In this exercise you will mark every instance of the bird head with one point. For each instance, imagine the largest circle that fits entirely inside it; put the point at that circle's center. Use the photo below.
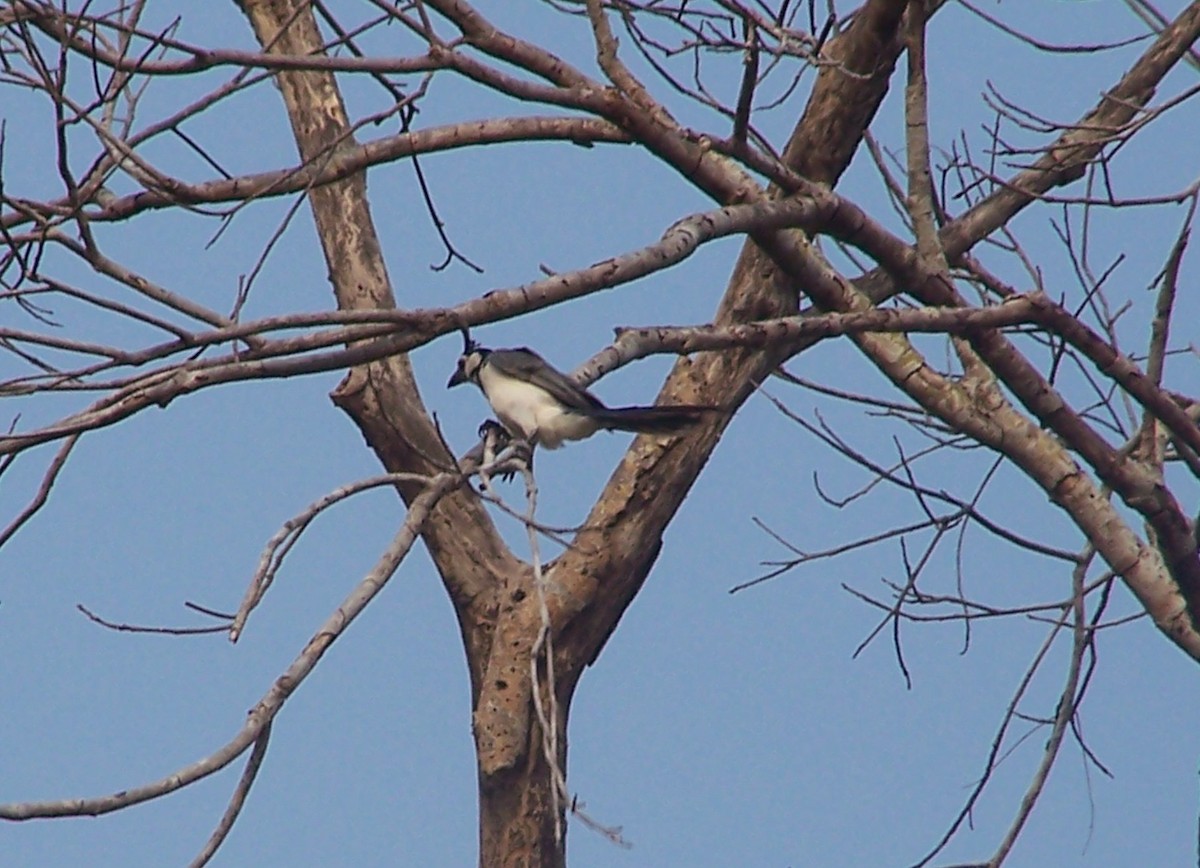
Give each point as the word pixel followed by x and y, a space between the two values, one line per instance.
pixel 469 362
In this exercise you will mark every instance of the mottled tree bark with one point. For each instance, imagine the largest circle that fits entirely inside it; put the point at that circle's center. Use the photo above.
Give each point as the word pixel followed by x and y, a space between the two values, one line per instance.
pixel 497 597
pixel 493 592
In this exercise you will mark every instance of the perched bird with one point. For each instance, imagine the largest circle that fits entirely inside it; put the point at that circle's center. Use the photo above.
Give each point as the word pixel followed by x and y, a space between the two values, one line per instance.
pixel 541 405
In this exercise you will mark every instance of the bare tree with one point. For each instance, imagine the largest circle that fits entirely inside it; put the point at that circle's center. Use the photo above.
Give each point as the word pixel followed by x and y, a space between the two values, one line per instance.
pixel 1034 377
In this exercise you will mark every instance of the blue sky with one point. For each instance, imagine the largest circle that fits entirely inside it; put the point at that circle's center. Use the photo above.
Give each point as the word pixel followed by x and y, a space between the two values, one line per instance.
pixel 716 729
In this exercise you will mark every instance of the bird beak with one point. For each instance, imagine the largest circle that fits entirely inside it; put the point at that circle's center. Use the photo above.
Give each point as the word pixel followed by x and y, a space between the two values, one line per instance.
pixel 458 379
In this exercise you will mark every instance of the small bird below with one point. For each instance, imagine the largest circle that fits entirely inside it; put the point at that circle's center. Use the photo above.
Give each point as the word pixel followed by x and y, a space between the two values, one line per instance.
pixel 539 404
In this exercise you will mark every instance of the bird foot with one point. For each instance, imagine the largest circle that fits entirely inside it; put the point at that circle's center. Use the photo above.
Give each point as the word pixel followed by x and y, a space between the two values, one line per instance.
pixel 513 454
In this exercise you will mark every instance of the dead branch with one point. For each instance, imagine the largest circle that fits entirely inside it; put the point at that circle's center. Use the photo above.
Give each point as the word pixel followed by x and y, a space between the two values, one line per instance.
pixel 266 709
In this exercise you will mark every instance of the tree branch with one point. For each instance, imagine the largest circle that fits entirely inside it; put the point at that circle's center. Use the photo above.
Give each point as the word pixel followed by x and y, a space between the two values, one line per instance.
pixel 285 685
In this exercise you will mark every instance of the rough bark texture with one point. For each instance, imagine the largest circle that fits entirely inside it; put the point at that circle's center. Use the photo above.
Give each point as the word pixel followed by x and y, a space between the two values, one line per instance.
pixel 648 487
pixel 381 397
pixel 590 586
pixel 480 574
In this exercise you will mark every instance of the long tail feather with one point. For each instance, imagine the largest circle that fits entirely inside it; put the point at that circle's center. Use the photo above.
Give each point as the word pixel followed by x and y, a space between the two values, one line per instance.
pixel 651 420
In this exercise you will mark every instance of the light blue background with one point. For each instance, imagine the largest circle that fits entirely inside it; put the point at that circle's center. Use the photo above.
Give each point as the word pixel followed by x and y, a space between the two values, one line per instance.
pixel 716 729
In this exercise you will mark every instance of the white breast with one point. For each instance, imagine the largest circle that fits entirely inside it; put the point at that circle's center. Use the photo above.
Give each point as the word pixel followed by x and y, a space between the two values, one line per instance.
pixel 524 408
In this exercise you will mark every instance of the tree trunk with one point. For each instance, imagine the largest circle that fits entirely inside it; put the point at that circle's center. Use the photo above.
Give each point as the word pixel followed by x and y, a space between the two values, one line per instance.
pixel 520 826
pixel 496 600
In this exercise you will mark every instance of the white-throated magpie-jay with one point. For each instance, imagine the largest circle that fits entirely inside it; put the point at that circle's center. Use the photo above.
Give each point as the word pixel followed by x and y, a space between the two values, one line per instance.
pixel 540 405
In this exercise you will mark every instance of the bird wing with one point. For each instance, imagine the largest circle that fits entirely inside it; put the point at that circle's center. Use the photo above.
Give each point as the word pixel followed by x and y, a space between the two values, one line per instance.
pixel 524 364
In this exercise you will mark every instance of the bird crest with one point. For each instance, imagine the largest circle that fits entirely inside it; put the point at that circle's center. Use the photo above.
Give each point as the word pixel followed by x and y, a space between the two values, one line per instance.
pixel 469 362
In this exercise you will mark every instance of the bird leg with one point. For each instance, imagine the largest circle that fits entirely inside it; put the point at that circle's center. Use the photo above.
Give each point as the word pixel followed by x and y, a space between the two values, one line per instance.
pixel 501 446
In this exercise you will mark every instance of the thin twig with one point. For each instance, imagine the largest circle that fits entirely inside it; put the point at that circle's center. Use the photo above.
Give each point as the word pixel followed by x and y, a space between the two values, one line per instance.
pixel 236 801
